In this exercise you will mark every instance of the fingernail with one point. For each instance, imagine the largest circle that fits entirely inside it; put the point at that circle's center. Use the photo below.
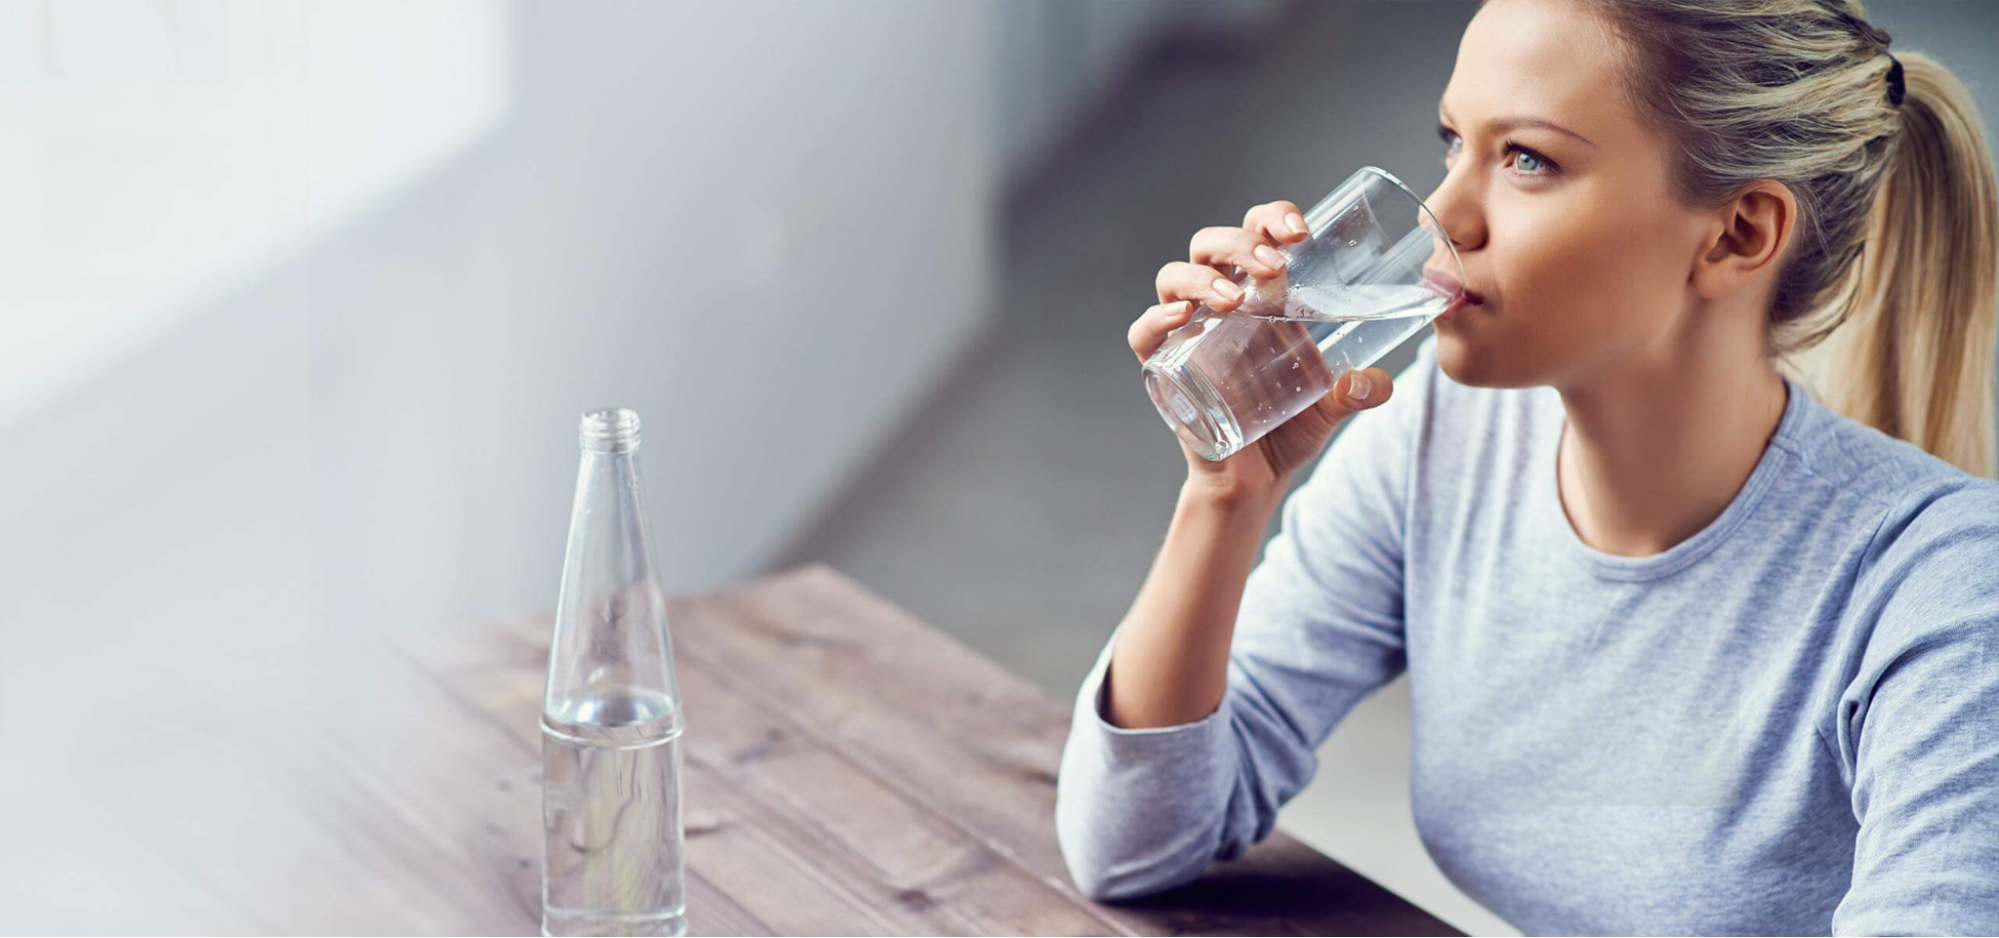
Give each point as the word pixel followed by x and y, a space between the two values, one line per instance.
pixel 1296 222
pixel 1227 288
pixel 1269 256
pixel 1177 310
pixel 1357 387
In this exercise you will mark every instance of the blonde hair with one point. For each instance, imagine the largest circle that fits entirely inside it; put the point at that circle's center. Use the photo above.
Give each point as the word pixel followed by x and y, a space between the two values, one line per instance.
pixel 1888 306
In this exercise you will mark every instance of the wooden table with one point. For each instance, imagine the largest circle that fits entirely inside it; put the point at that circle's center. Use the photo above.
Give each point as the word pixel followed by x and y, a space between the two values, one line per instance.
pixel 850 770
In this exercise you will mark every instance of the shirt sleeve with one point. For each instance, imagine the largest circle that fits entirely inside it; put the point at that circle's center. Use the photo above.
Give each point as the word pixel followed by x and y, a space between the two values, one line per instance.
pixel 1917 727
pixel 1319 627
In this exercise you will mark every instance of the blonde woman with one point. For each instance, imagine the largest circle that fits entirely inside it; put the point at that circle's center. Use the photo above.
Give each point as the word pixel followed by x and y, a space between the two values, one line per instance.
pixel 1685 534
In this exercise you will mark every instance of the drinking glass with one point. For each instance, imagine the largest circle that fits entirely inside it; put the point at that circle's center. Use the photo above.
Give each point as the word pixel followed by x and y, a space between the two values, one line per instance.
pixel 1377 268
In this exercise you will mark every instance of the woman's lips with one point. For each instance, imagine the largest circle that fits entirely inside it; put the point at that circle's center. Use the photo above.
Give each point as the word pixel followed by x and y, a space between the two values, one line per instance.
pixel 1450 285
pixel 1461 301
pixel 1461 298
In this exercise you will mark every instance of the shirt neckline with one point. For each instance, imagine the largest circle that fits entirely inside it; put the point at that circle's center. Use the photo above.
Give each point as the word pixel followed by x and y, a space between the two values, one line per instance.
pixel 1679 556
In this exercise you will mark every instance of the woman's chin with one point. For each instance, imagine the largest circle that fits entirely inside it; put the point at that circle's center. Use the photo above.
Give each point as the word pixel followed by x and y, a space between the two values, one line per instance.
pixel 1461 358
pixel 1482 362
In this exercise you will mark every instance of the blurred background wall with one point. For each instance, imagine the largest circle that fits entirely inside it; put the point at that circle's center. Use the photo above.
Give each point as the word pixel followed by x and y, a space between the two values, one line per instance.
pixel 299 303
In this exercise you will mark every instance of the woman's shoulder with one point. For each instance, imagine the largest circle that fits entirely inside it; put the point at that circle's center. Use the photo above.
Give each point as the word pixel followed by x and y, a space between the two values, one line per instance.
pixel 1902 480
pixel 1928 579
pixel 1931 529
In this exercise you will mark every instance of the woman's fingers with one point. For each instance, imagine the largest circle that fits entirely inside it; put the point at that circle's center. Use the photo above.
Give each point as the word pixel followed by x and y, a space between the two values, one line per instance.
pixel 1280 221
pixel 1184 286
pixel 1221 245
pixel 1179 280
pixel 1149 331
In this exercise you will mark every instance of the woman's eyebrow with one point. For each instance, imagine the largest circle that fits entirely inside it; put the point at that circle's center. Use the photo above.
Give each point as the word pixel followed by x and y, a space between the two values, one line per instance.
pixel 1508 123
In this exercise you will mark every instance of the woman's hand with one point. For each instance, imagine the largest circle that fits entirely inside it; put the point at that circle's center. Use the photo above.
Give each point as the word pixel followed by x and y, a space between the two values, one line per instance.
pixel 1265 466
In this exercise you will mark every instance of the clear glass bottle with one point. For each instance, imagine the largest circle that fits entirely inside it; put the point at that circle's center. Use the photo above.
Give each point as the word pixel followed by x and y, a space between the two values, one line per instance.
pixel 611 718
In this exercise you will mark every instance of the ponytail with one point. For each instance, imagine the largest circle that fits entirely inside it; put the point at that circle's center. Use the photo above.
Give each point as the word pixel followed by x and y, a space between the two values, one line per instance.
pixel 1914 353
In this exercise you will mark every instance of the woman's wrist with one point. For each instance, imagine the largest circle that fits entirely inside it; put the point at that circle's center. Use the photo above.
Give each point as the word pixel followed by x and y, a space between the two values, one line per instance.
pixel 1233 495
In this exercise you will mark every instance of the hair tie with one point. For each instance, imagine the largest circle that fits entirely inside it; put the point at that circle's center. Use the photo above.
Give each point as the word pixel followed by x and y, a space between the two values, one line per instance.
pixel 1896 89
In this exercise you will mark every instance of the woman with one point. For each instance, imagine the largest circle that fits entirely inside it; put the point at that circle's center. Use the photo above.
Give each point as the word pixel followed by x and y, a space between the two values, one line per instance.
pixel 1702 631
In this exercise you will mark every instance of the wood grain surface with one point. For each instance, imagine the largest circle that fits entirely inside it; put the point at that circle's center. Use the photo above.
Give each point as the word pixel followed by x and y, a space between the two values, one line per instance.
pixel 849 770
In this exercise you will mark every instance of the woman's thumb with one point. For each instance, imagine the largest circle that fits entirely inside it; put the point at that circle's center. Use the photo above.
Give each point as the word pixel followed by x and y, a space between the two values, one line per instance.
pixel 1345 401
pixel 1364 389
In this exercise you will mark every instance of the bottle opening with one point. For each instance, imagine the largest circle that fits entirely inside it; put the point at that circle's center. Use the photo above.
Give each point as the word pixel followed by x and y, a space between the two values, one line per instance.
pixel 612 430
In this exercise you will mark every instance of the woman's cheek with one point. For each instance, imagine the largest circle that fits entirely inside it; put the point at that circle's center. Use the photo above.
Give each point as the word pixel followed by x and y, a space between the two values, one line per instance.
pixel 1561 291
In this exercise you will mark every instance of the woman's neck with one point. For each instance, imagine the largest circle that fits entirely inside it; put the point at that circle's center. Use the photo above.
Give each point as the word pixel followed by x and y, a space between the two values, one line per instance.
pixel 1654 450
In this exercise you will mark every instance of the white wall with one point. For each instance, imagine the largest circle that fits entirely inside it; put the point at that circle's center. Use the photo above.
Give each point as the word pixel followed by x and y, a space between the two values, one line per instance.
pixel 744 220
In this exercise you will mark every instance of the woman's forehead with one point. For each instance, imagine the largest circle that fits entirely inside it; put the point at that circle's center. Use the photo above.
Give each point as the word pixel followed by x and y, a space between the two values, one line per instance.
pixel 1550 59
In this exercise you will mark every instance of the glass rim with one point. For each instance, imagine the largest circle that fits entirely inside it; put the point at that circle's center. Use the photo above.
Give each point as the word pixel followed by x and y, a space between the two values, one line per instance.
pixel 1437 225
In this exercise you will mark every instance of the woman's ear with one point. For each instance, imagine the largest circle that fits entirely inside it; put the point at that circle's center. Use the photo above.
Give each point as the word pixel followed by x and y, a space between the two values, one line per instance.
pixel 1746 245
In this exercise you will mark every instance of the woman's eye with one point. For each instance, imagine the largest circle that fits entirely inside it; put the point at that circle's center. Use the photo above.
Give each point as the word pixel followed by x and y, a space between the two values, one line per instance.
pixel 1450 141
pixel 1536 165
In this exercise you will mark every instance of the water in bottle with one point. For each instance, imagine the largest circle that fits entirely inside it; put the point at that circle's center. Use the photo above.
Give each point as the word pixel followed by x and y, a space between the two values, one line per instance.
pixel 611 718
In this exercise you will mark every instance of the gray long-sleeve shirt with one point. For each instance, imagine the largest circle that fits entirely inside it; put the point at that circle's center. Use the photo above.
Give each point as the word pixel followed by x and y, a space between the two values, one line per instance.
pixel 1787 723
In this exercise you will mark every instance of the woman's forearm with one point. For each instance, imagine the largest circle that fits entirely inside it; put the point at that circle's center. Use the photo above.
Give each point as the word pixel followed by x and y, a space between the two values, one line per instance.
pixel 1169 665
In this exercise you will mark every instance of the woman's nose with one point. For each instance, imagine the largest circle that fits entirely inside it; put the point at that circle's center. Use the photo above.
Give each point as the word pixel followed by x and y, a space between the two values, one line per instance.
pixel 1458 211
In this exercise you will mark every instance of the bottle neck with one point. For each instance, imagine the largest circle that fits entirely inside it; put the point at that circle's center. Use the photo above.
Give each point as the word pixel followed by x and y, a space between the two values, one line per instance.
pixel 610 660
pixel 613 431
